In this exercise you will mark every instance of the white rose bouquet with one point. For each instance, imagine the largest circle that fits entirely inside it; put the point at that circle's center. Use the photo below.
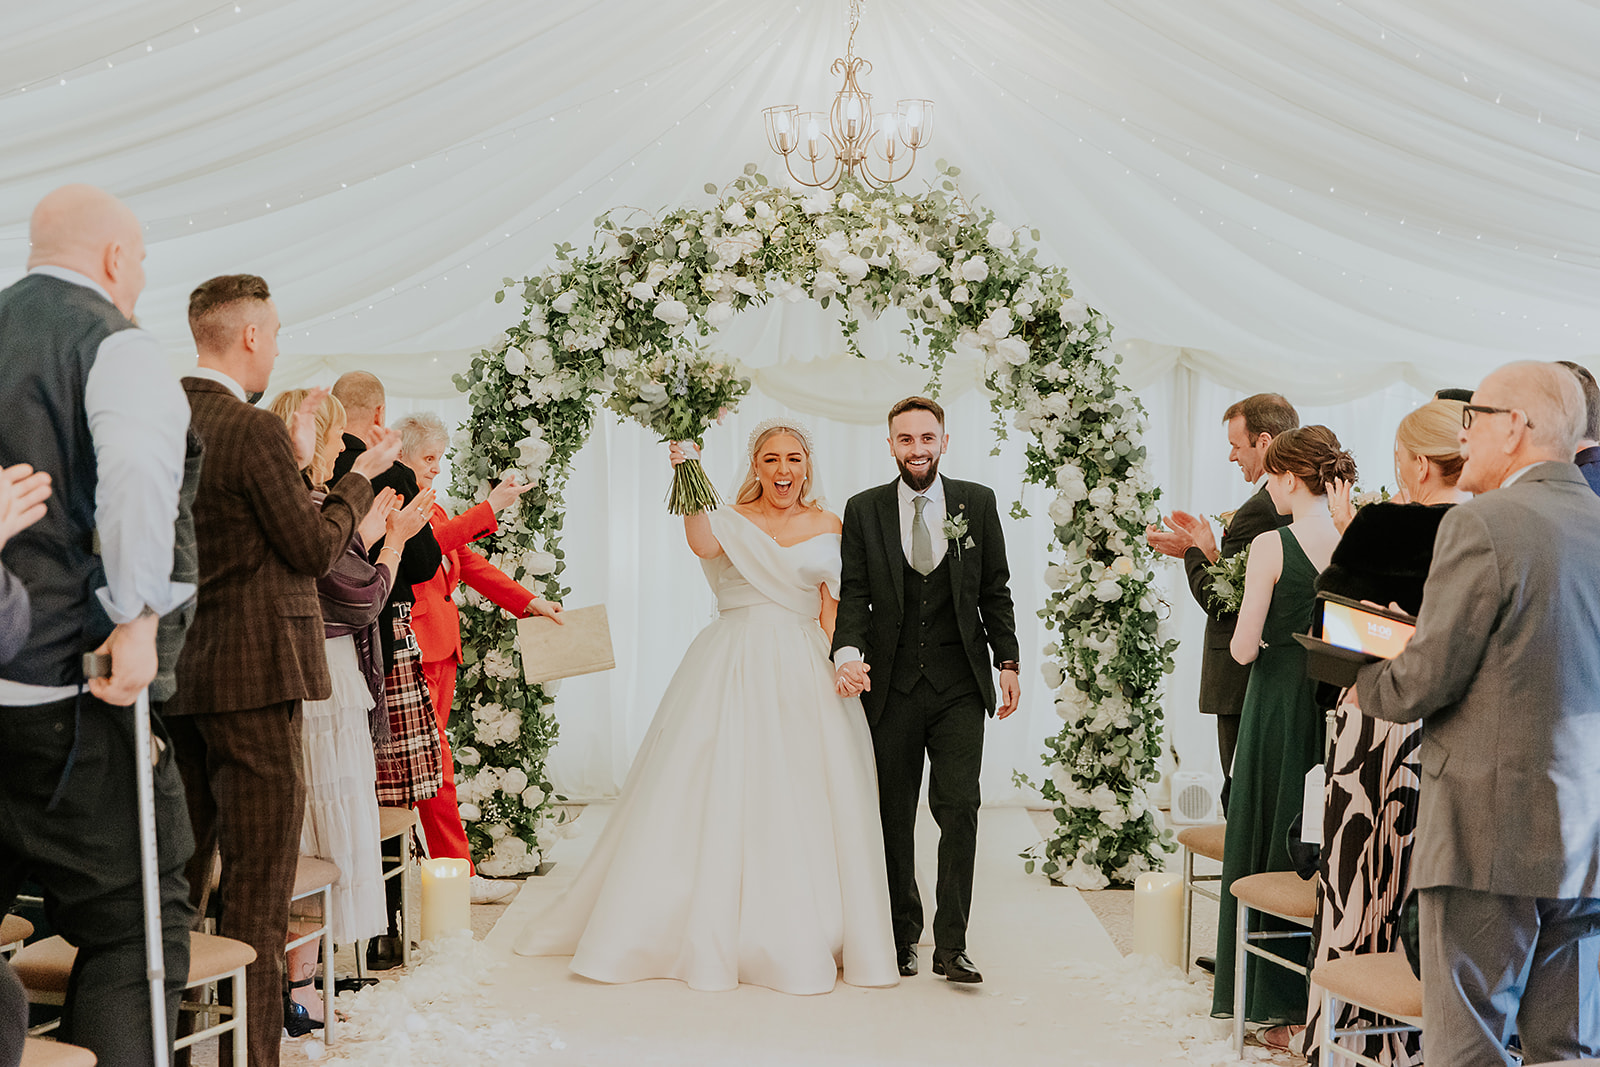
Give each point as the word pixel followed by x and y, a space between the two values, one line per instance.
pixel 678 395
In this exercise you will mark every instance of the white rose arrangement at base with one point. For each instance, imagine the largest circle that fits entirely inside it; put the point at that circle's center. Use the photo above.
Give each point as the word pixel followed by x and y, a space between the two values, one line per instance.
pixel 620 324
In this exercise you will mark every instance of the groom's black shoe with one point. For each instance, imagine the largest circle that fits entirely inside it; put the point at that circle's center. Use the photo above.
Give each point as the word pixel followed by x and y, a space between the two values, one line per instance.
pixel 908 959
pixel 955 966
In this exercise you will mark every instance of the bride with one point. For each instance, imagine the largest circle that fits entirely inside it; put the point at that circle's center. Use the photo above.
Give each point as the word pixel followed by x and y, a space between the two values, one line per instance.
pixel 745 846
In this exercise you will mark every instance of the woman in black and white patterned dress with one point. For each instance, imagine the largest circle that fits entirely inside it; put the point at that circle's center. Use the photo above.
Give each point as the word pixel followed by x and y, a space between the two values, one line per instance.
pixel 1374 772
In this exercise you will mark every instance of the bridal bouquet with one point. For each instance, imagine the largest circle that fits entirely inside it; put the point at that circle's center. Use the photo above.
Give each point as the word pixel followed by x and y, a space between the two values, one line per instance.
pixel 1227 580
pixel 679 394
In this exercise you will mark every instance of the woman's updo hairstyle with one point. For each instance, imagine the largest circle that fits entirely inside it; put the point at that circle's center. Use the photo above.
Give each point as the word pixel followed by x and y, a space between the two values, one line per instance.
pixel 1312 454
pixel 1430 432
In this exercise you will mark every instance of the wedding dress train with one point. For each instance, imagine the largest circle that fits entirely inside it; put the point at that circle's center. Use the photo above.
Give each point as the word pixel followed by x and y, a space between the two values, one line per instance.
pixel 745 846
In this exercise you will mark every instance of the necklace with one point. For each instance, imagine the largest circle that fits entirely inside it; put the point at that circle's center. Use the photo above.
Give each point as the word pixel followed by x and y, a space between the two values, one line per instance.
pixel 788 518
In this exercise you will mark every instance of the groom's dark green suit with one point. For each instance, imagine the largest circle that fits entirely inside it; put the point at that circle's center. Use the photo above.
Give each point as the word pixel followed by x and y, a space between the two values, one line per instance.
pixel 932 643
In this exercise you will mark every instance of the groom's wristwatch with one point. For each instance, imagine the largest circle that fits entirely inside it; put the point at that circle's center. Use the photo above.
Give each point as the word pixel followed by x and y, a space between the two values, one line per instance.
pixel 1010 665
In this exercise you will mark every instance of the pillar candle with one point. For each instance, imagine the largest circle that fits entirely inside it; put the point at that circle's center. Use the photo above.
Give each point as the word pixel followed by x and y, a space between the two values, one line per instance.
pixel 1158 916
pixel 446 898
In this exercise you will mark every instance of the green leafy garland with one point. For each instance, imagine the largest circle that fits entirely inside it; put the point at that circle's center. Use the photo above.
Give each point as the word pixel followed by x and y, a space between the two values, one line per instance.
pixel 662 284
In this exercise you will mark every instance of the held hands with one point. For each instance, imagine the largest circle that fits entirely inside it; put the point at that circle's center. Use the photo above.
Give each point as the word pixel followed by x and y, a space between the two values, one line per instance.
pixel 403 523
pixel 23 492
pixel 1010 694
pixel 373 526
pixel 548 608
pixel 132 648
pixel 1184 531
pixel 303 427
pixel 506 493
pixel 851 679
pixel 382 451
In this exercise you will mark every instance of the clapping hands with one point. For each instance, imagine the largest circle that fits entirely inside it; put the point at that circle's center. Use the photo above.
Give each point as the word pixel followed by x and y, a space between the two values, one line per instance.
pixel 376 521
pixel 303 427
pixel 403 523
pixel 1183 532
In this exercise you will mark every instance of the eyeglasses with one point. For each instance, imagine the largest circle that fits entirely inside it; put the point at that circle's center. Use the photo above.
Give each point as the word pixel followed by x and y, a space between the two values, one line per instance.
pixel 1471 410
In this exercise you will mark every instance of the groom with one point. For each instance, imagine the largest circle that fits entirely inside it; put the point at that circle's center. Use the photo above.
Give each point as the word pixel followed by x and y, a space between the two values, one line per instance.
pixel 923 603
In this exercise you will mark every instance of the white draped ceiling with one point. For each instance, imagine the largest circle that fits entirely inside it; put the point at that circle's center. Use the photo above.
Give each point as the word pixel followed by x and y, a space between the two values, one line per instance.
pixel 1345 201
pixel 1342 194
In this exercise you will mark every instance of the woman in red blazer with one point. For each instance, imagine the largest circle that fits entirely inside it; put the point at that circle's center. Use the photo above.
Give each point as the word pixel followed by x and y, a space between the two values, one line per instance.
pixel 436 621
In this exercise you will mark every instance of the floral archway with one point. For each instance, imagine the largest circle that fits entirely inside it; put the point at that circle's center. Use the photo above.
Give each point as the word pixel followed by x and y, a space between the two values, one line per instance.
pixel 647 294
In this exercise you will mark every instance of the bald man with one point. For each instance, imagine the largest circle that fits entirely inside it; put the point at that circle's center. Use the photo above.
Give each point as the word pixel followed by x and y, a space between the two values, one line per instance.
pixel 91 401
pixel 1504 669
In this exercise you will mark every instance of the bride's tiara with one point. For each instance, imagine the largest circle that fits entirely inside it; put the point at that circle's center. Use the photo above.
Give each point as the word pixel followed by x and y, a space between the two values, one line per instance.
pixel 779 424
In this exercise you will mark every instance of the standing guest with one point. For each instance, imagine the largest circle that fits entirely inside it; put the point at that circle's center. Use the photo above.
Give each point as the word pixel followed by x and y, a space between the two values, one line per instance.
pixel 22 503
pixel 1280 730
pixel 255 653
pixel 410 763
pixel 1252 424
pixel 1588 457
pixel 92 405
pixel 341 823
pixel 903 588
pixel 1375 773
pixel 437 623
pixel 1502 671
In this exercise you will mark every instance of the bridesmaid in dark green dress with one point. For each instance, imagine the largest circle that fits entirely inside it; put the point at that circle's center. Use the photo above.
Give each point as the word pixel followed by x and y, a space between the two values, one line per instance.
pixel 1280 729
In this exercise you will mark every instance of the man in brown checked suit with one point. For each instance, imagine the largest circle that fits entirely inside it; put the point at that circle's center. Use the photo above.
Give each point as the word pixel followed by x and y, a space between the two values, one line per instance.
pixel 256 649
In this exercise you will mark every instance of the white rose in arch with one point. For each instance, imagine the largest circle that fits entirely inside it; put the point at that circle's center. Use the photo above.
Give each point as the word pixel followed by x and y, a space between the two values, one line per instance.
pixel 1014 350
pixel 1102 496
pixel 854 268
pixel 960 294
pixel 652 392
pixel 975 269
pixel 1122 565
pixel 515 780
pixel 564 302
pixel 537 563
pixel 1053 676
pixel 1056 578
pixel 643 290
pixel 1000 235
pixel 1061 510
pixel 719 313
pixel 515 362
pixel 735 215
pixel 1107 590
pixel 925 264
pixel 1073 311
pixel 469 812
pixel 826 284
pixel 532 796
pixel 468 756
pixel 657 273
pixel 673 313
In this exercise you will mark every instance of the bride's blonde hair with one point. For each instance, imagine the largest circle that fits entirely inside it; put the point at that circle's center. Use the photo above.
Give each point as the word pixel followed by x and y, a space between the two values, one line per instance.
pixel 750 489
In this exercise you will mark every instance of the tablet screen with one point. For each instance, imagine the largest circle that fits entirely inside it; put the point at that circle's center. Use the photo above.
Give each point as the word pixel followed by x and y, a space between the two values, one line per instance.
pixel 1360 630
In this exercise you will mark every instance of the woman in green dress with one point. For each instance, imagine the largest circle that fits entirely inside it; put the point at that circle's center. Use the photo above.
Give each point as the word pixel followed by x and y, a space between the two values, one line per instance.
pixel 1280 728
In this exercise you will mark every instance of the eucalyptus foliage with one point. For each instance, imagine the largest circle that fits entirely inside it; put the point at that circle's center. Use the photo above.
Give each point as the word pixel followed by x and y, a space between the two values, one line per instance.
pixel 651 286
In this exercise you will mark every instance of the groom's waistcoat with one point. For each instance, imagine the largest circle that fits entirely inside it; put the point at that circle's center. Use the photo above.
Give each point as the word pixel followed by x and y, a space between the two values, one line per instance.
pixel 930 640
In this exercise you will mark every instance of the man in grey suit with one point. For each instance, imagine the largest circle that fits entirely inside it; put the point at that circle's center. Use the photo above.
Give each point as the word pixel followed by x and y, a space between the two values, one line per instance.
pixel 1252 424
pixel 1505 670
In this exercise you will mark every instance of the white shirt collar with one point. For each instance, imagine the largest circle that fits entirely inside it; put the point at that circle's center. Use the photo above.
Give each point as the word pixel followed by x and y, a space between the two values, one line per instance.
pixel 211 374
pixel 67 274
pixel 934 492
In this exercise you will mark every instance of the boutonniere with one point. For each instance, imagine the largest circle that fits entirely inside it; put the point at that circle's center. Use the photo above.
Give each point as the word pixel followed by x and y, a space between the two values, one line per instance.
pixel 955 529
pixel 1226 519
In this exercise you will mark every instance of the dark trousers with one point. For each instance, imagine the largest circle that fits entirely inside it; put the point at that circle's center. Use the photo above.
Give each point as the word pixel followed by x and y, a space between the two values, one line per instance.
pixel 1227 741
pixel 946 729
pixel 245 776
pixel 83 850
pixel 1495 965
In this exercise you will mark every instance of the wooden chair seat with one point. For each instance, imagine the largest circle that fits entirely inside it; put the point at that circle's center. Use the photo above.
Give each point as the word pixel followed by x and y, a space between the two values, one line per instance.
pixel 41 1053
pixel 392 822
pixel 1281 893
pixel 1205 840
pixel 1381 981
pixel 45 966
pixel 14 930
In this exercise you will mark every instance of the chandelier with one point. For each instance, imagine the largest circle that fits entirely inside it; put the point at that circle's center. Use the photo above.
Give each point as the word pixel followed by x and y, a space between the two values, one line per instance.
pixel 839 143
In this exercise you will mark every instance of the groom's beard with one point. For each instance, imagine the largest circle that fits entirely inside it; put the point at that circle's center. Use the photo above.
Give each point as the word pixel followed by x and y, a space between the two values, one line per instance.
pixel 918 483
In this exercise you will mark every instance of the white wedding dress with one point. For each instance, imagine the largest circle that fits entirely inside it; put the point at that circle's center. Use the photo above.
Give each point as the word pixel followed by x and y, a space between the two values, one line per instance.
pixel 745 846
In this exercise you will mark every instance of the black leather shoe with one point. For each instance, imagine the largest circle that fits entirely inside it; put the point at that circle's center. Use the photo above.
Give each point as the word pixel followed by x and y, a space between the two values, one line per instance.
pixel 908 960
pixel 383 953
pixel 297 1022
pixel 1206 964
pixel 956 967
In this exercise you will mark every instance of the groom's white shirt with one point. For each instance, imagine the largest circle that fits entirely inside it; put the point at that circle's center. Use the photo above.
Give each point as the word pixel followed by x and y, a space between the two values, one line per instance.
pixel 933 513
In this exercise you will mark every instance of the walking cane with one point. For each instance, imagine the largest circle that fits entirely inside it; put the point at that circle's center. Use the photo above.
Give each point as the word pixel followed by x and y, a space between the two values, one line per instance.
pixel 149 865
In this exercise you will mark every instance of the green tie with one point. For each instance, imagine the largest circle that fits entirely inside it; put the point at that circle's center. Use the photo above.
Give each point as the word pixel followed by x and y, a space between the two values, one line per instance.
pixel 921 541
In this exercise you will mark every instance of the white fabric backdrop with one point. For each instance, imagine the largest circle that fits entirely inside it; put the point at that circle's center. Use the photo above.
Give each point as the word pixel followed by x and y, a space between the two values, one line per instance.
pixel 1328 197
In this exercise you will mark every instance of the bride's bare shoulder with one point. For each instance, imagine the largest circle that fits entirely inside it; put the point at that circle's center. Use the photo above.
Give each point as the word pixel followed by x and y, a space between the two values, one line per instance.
pixel 828 522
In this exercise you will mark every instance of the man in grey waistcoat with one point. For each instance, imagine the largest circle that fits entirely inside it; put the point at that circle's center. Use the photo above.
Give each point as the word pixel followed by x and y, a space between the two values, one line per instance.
pixel 1504 671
